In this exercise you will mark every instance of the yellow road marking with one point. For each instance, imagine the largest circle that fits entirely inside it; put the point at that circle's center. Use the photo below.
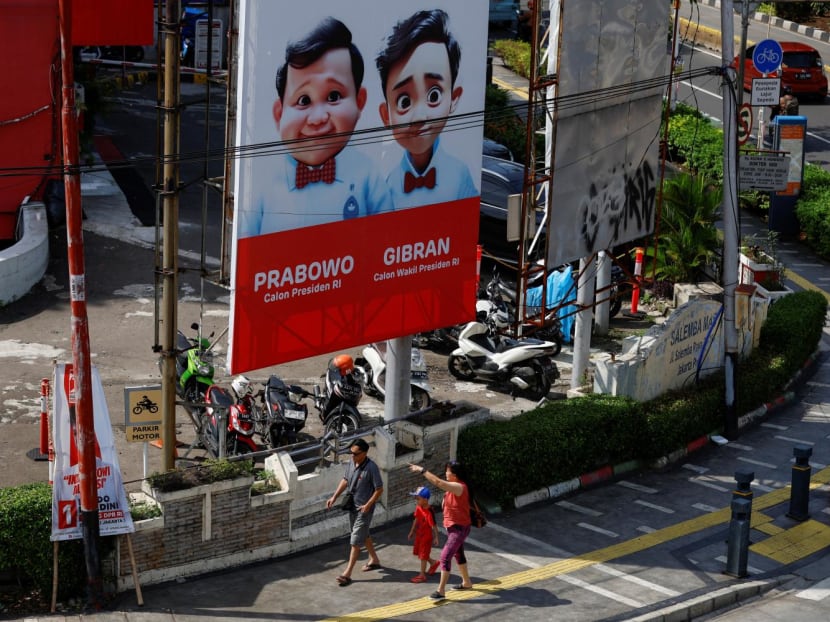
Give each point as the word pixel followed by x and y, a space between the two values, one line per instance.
pixel 805 284
pixel 795 543
pixel 512 89
pixel 616 551
pixel 763 523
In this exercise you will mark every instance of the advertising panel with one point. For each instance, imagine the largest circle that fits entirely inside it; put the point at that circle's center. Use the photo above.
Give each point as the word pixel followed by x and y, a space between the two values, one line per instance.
pixel 610 64
pixel 113 509
pixel 357 180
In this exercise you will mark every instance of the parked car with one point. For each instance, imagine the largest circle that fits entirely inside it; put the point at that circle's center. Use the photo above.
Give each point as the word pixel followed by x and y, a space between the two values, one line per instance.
pixel 503 12
pixel 802 69
pixel 497 150
pixel 499 179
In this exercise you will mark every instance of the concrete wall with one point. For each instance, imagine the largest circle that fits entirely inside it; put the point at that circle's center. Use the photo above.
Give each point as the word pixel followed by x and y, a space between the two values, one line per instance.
pixel 24 263
pixel 222 525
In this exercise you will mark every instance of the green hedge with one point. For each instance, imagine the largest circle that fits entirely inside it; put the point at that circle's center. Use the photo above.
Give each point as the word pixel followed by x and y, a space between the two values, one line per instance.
pixel 515 55
pixel 813 209
pixel 25 545
pixel 694 142
pixel 565 439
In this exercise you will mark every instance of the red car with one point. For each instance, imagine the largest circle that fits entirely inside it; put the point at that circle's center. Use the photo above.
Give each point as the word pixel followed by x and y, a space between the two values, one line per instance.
pixel 802 70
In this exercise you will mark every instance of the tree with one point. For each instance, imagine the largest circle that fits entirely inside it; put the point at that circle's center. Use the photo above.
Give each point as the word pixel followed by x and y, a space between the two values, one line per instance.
pixel 688 239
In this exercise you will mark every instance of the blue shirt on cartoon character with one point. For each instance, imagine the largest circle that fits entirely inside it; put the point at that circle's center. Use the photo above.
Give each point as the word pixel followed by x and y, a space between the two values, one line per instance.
pixel 320 99
pixel 418 71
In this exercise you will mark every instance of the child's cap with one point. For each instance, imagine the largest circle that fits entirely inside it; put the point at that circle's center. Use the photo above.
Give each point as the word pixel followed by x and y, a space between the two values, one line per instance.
pixel 422 491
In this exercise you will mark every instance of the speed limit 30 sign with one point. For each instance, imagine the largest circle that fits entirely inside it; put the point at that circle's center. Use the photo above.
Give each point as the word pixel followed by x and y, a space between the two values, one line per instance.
pixel 744 123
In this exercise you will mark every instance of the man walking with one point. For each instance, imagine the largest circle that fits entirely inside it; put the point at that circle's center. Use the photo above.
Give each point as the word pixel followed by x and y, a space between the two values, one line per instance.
pixel 364 486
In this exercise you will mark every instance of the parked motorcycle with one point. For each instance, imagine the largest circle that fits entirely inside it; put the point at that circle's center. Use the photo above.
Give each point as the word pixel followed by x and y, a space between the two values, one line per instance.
pixel 440 339
pixel 371 369
pixel 336 402
pixel 124 53
pixel 238 422
pixel 282 414
pixel 498 311
pixel 525 366
pixel 620 289
pixel 194 368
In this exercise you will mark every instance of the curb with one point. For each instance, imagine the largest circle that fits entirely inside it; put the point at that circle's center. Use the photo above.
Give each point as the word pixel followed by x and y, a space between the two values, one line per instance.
pixel 110 84
pixel 610 472
pixel 714 601
pixel 784 24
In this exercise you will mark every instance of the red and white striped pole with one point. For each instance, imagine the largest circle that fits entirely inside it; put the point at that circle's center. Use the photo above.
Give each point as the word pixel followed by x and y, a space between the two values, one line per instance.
pixel 638 279
pixel 44 417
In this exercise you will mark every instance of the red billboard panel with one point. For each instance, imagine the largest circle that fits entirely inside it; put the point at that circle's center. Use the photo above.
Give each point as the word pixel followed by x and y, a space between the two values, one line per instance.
pixel 29 113
pixel 112 22
pixel 357 186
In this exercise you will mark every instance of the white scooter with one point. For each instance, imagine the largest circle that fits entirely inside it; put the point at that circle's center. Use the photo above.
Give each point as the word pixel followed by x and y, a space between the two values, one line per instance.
pixel 371 369
pixel 526 366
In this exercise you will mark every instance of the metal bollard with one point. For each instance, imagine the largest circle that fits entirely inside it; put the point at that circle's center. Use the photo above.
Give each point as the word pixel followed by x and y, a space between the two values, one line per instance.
pixel 800 489
pixel 744 478
pixel 738 546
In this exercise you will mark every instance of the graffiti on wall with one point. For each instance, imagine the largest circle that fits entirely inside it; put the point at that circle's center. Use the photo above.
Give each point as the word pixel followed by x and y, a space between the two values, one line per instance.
pixel 623 199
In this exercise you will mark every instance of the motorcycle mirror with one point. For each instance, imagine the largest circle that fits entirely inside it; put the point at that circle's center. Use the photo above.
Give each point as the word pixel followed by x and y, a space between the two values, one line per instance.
pixel 194 326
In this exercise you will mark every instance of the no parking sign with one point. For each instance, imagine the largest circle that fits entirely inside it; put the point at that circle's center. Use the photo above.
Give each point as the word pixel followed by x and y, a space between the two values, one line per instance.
pixel 744 123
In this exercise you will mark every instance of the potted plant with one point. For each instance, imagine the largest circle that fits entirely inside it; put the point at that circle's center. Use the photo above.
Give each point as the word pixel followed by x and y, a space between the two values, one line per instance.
pixel 759 263
pixel 760 266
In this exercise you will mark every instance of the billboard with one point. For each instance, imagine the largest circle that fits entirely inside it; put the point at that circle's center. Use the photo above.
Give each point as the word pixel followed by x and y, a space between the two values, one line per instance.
pixel 357 177
pixel 612 56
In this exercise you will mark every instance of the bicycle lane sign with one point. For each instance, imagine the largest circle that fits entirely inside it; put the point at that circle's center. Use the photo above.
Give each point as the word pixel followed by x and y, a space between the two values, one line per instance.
pixel 767 56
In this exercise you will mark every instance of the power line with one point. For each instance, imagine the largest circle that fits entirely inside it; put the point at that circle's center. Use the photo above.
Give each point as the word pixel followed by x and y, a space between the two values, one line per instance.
pixel 379 134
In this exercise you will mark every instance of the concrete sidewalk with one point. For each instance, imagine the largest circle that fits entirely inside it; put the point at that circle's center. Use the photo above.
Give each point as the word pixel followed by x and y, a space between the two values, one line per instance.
pixel 651 546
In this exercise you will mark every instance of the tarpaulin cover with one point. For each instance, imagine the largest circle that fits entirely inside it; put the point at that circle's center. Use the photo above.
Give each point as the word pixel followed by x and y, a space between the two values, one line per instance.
pixel 561 290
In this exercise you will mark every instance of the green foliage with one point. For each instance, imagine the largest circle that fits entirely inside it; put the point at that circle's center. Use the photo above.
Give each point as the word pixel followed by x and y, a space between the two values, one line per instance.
pixel 502 124
pixel 25 546
pixel 794 11
pixel 563 440
pixel 207 473
pixel 688 237
pixel 143 510
pixel 813 209
pixel 694 142
pixel 599 430
pixel 515 54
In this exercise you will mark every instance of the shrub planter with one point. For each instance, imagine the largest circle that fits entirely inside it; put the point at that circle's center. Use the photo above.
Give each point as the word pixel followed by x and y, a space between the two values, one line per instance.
pixel 222 525
pixel 761 269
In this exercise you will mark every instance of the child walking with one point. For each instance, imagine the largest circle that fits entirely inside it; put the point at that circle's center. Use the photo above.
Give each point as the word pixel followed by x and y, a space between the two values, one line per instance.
pixel 425 532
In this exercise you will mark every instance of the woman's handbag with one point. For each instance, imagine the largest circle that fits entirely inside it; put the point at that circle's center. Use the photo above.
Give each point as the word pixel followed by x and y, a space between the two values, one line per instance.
pixel 477 517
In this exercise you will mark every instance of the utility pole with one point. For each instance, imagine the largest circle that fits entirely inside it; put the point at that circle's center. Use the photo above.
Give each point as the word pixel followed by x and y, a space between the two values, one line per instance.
pixel 81 367
pixel 170 205
pixel 730 214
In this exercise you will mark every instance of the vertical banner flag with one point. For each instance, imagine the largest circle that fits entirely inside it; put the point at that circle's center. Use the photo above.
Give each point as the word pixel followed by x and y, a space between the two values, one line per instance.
pixel 113 509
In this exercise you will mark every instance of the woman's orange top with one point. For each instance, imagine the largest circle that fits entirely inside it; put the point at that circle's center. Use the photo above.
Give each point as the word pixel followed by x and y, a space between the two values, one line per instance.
pixel 457 508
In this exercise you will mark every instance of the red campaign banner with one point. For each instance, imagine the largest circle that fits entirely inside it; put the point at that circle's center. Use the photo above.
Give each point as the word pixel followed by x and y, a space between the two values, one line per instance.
pixel 112 22
pixel 304 292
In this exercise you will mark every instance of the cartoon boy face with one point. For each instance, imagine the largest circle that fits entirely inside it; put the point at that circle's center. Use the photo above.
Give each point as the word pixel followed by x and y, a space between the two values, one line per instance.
pixel 419 93
pixel 320 103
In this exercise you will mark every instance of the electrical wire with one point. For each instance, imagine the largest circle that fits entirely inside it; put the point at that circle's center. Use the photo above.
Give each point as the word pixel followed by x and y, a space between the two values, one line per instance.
pixel 378 134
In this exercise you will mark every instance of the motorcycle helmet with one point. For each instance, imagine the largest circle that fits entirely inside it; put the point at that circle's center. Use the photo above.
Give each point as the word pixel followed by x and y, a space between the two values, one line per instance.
pixel 241 386
pixel 344 363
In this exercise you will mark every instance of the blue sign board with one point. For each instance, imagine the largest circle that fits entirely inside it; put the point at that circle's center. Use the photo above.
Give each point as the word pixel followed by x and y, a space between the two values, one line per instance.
pixel 767 56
